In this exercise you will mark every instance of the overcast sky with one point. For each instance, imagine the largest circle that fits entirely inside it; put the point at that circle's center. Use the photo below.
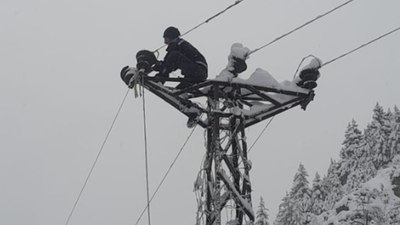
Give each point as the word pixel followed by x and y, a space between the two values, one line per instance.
pixel 60 89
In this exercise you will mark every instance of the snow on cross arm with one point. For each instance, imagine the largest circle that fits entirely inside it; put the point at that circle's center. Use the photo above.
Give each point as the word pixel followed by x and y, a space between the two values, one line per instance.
pixel 259 77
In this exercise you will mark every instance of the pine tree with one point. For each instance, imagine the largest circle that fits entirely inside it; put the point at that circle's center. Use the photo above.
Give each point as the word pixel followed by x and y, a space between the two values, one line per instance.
pixel 262 214
pixel 300 195
pixel 387 129
pixel 365 168
pixel 334 198
pixel 360 166
pixel 348 154
pixel 331 185
pixel 285 213
pixel 394 137
pixel 297 203
pixel 353 137
pixel 317 196
pixel 377 135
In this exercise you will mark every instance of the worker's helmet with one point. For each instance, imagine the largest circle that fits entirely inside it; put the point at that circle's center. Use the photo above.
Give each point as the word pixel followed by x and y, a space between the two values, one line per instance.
pixel 171 33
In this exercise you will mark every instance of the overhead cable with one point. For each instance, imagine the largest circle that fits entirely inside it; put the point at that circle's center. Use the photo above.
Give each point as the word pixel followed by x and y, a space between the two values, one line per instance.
pixel 261 133
pixel 298 28
pixel 329 62
pixel 360 47
pixel 146 157
pixel 95 161
pixel 166 174
pixel 206 21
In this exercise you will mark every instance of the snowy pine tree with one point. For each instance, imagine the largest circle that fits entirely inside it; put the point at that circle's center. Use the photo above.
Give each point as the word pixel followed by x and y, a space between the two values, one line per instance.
pixel 387 128
pixel 348 155
pixel 394 137
pixel 300 195
pixel 262 214
pixel 365 168
pixel 332 186
pixel 353 137
pixel 317 196
pixel 362 187
pixel 285 213
pixel 377 135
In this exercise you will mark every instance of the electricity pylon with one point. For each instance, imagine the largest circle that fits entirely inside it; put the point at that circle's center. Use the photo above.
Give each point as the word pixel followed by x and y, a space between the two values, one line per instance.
pixel 224 182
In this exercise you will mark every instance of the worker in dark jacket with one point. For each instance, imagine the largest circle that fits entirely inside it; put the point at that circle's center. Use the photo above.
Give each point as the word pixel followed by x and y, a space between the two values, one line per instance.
pixel 182 55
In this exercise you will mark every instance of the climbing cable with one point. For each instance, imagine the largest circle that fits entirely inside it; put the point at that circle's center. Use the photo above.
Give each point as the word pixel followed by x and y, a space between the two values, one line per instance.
pixel 95 161
pixel 298 28
pixel 166 174
pixel 361 46
pixel 206 21
pixel 145 153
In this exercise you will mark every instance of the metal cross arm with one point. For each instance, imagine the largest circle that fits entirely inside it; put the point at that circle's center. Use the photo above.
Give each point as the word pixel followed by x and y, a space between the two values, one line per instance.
pixel 230 106
pixel 252 102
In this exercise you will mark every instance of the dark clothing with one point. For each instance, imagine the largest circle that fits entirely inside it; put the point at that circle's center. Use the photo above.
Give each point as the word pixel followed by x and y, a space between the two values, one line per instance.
pixel 182 55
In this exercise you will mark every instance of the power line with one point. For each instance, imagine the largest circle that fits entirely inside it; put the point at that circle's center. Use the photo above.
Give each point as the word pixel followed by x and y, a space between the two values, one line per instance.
pixel 326 63
pixel 298 28
pixel 95 161
pixel 261 133
pixel 213 17
pixel 206 21
pixel 361 46
pixel 146 158
pixel 166 174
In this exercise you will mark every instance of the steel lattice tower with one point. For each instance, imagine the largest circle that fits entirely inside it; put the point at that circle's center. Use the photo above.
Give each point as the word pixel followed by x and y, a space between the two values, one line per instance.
pixel 231 105
pixel 224 182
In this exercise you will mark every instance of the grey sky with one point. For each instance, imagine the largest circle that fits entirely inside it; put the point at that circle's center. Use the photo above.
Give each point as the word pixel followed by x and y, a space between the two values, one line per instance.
pixel 60 89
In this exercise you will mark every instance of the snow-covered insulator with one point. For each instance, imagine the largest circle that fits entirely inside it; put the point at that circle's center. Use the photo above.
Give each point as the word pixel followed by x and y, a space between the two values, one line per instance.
pixel 145 60
pixel 239 65
pixel 308 78
pixel 310 74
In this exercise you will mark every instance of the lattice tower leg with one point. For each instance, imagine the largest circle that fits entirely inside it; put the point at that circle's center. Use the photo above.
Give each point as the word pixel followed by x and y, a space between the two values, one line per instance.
pixel 226 188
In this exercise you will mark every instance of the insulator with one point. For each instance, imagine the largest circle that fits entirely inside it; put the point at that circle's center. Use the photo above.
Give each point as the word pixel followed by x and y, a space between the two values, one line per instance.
pixel 239 65
pixel 308 78
pixel 145 60
pixel 124 76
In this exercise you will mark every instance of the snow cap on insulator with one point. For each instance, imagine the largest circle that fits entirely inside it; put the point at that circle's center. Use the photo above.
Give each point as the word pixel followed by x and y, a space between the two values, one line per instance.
pixel 237 58
pixel 309 74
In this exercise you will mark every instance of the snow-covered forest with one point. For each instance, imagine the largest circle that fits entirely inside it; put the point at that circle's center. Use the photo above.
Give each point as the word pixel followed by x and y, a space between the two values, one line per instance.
pixel 361 187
